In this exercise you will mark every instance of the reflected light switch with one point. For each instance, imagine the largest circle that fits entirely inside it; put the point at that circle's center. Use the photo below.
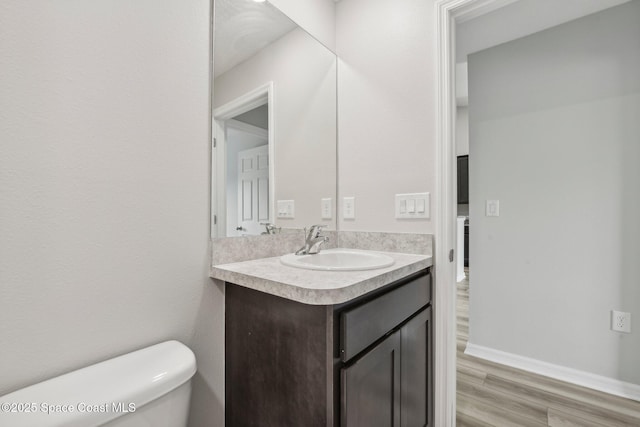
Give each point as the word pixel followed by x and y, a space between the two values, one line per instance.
pixel 325 208
pixel 285 208
pixel 349 208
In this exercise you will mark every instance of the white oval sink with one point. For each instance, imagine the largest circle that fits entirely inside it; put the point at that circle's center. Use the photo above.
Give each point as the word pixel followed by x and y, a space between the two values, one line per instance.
pixel 339 260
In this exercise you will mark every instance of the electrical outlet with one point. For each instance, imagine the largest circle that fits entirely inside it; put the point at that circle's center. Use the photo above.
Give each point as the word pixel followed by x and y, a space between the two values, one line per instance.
pixel 620 321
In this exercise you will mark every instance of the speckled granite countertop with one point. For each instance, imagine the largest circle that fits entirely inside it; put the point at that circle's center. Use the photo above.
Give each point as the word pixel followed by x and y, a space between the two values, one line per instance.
pixel 317 287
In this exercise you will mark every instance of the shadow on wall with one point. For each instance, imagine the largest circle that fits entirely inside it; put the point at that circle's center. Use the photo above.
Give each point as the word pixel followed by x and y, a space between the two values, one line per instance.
pixel 629 229
pixel 207 394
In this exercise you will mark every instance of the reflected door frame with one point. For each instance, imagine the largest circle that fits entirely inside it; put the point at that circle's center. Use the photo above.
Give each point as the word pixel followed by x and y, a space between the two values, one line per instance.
pixel 255 98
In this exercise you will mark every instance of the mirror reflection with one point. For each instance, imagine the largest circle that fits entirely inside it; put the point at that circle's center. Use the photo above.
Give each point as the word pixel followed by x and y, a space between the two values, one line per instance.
pixel 274 123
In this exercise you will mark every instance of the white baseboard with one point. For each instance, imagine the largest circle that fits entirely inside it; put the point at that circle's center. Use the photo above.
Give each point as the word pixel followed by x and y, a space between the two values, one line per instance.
pixel 573 376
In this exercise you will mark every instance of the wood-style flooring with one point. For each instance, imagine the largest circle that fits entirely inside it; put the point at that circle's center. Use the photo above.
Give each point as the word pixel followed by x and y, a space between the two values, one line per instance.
pixel 489 394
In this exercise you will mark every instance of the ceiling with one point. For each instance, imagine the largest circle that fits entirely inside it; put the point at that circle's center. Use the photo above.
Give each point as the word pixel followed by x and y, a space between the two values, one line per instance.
pixel 519 19
pixel 516 19
pixel 244 27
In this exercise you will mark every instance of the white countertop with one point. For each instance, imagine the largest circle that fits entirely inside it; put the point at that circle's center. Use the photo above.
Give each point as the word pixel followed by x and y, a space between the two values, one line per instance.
pixel 317 287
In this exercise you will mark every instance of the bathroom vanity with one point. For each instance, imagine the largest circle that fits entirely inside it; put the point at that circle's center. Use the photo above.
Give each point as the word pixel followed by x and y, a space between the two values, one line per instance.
pixel 325 348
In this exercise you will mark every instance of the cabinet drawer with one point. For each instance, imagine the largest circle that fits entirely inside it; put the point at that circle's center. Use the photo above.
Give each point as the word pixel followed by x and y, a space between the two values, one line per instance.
pixel 363 325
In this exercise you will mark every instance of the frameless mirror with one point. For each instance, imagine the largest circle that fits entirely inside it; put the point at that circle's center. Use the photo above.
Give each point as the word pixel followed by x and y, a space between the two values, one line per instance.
pixel 274 123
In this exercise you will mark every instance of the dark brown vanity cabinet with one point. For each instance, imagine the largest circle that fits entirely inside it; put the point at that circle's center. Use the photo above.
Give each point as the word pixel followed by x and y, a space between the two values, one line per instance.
pixel 364 363
pixel 388 384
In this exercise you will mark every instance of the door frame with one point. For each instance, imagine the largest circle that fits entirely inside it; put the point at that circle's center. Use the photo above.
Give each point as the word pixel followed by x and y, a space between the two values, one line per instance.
pixel 250 100
pixel 448 13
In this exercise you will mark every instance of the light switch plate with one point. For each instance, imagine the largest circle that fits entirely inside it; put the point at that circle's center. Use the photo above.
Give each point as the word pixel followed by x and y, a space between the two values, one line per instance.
pixel 493 208
pixel 413 206
pixel 349 208
pixel 285 209
pixel 325 208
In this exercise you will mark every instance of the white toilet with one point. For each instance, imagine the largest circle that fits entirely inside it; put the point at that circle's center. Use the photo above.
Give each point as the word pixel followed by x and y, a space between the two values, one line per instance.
pixel 146 388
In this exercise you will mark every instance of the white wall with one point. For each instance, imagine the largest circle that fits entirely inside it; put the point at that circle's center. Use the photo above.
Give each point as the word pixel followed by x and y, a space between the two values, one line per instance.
pixel 386 108
pixel 554 134
pixel 315 16
pixel 304 76
pixel 104 189
pixel 462 131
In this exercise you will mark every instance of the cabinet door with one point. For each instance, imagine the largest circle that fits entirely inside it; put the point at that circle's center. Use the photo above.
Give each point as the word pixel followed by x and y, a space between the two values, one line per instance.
pixel 371 387
pixel 416 371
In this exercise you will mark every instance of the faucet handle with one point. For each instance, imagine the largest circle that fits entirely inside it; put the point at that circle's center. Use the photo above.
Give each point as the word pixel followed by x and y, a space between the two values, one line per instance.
pixel 315 230
pixel 270 228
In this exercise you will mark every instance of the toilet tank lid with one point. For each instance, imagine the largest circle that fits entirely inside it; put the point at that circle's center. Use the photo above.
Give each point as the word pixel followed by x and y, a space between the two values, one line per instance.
pixel 99 393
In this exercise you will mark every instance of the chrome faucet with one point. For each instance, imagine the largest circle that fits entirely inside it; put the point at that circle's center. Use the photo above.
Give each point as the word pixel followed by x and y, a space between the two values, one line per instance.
pixel 312 241
pixel 270 228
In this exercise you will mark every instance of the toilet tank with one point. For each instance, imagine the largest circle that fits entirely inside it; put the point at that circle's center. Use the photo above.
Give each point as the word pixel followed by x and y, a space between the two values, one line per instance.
pixel 148 387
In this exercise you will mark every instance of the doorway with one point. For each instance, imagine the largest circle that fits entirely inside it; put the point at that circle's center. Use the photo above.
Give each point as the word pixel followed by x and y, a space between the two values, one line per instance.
pixel 243 165
pixel 450 15
pixel 247 187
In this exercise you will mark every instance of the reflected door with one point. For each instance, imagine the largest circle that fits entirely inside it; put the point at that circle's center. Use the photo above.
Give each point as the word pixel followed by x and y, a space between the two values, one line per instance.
pixel 253 190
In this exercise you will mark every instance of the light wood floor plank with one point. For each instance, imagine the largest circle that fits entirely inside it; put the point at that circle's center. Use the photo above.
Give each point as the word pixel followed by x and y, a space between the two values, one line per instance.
pixel 577 417
pixel 562 419
pixel 557 391
pixel 556 400
pixel 493 415
pixel 463 420
pixel 529 409
pixel 476 375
